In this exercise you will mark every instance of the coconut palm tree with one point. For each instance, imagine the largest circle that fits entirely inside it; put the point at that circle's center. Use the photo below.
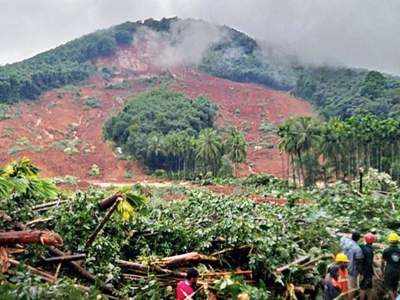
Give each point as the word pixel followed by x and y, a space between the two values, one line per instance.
pixel 236 148
pixel 209 150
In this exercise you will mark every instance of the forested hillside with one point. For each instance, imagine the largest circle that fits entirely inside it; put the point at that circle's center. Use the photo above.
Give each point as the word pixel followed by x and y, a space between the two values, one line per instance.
pixel 169 132
pixel 344 92
pixel 334 91
pixel 67 64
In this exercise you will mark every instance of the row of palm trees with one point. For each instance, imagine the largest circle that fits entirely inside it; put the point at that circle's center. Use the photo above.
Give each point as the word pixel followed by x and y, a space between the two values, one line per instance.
pixel 337 149
pixel 180 152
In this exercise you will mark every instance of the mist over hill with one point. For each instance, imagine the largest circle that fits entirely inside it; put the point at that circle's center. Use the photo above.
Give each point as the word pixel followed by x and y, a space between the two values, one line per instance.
pixel 217 50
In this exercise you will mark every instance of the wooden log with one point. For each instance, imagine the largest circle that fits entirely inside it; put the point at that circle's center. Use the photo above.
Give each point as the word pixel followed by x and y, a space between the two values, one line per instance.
pixel 48 205
pixel 57 272
pixel 108 202
pixel 245 273
pixel 30 237
pixel 40 220
pixel 143 268
pixel 186 259
pixel 93 236
pixel 317 259
pixel 82 271
pixel 241 248
pixel 298 261
pixel 65 258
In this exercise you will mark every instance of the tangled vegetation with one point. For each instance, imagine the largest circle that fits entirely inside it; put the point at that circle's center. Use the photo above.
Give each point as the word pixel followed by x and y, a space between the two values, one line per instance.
pixel 168 131
pixel 233 230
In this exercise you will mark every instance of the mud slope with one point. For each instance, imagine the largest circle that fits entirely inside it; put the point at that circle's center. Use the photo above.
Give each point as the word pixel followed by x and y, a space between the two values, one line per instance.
pixel 62 131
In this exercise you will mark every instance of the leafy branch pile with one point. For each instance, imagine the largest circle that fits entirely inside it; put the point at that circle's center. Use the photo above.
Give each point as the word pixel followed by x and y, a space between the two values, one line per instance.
pixel 121 245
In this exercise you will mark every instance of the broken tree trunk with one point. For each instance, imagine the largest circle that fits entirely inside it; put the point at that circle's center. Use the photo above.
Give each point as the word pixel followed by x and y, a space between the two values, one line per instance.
pixel 143 268
pixel 108 202
pixel 186 259
pixel 30 237
pixel 93 236
pixel 65 258
pixel 298 261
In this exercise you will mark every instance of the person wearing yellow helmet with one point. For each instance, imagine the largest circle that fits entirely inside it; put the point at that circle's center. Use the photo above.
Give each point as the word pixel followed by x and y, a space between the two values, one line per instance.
pixel 391 265
pixel 342 261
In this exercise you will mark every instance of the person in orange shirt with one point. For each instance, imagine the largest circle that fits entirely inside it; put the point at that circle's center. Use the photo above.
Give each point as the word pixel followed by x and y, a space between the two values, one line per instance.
pixel 342 282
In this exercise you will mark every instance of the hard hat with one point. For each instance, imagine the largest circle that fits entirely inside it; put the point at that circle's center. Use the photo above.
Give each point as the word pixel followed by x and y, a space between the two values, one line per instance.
pixel 341 258
pixel 393 237
pixel 369 238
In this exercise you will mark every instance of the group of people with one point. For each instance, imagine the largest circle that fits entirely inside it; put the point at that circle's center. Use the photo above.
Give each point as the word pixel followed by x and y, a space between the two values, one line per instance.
pixel 354 268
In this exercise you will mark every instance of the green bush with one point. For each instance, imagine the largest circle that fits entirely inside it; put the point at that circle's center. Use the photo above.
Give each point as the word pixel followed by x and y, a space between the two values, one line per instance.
pixel 94 171
pixel 93 103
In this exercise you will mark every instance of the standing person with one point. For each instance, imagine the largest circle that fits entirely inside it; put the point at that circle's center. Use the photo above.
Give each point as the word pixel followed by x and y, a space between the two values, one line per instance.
pixel 331 286
pixel 185 288
pixel 342 282
pixel 353 251
pixel 391 265
pixel 367 271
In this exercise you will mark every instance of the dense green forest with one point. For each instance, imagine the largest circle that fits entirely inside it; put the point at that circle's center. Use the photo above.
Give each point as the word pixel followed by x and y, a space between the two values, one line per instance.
pixel 168 131
pixel 344 92
pixel 337 149
pixel 66 64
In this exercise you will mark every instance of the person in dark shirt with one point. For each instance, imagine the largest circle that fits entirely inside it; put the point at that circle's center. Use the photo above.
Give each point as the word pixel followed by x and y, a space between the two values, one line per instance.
pixel 391 265
pixel 331 286
pixel 367 269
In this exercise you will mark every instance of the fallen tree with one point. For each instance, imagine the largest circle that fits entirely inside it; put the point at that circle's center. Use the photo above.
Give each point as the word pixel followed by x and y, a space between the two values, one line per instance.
pixel 30 237
pixel 186 259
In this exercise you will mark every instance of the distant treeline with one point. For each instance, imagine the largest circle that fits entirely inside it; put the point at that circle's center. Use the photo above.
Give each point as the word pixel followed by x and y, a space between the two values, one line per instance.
pixel 338 149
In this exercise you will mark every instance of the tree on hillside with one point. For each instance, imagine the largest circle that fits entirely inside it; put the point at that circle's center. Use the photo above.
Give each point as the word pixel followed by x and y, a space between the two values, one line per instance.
pixel 300 139
pixel 123 37
pixel 373 85
pixel 209 150
pixel 236 148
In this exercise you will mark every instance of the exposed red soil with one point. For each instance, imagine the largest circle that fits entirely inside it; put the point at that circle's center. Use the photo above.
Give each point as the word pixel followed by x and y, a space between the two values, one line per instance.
pixel 62 115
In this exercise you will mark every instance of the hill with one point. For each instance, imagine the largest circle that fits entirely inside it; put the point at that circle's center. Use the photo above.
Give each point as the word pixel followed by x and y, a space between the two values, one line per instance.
pixel 216 50
pixel 61 131
pixel 79 85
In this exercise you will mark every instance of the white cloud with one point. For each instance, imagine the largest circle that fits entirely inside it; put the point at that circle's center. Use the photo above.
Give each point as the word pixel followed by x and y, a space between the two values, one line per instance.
pixel 364 33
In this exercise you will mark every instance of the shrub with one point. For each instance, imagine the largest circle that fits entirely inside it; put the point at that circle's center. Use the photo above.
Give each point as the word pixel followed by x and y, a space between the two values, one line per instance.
pixel 94 171
pixel 93 103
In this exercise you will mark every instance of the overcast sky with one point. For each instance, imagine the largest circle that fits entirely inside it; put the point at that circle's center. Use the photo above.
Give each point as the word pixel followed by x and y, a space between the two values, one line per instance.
pixel 362 33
